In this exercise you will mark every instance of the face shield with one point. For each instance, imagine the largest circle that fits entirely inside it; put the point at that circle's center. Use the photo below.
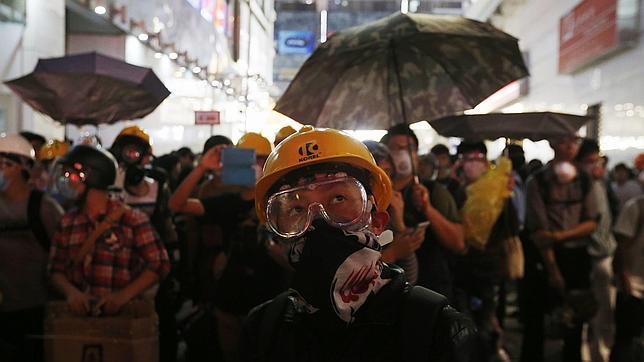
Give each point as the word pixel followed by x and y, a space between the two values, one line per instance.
pixel 340 200
pixel 69 180
pixel 133 154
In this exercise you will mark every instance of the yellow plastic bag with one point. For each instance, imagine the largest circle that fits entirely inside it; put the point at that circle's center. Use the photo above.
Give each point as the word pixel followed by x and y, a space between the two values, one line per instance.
pixel 485 200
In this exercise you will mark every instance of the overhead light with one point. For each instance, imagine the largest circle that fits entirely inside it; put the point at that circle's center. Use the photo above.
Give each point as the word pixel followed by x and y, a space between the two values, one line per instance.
pixel 182 69
pixel 143 37
pixel 100 10
pixel 404 6
pixel 323 26
pixel 196 69
pixel 158 55
pixel 173 55
pixel 226 82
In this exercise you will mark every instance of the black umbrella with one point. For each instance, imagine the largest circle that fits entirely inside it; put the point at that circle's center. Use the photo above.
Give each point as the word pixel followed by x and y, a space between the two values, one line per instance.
pixel 532 125
pixel 90 88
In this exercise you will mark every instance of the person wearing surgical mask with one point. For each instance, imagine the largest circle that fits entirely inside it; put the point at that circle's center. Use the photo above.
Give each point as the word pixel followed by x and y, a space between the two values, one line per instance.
pixel 251 267
pixel 100 273
pixel 561 216
pixel 426 201
pixel 28 219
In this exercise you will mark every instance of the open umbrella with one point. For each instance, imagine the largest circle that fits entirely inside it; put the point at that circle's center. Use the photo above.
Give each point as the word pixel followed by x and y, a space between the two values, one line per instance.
pixel 90 88
pixel 532 125
pixel 402 68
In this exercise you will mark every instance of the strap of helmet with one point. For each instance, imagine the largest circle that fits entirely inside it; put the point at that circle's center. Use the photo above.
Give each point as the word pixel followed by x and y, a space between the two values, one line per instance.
pixel 35 221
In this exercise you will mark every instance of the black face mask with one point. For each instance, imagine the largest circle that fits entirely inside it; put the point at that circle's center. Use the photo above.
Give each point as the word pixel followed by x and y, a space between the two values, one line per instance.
pixel 133 175
pixel 335 271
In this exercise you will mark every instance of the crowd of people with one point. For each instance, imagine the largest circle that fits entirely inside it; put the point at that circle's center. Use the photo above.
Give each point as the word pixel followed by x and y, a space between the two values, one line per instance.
pixel 338 250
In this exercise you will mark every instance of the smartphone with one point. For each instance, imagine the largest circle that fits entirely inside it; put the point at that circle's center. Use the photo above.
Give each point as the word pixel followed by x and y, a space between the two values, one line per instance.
pixel 422 226
pixel 237 166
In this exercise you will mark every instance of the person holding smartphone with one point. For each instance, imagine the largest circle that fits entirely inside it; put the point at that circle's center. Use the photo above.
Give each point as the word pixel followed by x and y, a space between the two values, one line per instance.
pixel 252 268
pixel 402 251
pixel 428 201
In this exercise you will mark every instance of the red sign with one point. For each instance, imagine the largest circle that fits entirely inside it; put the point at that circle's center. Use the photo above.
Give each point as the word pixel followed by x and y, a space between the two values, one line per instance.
pixel 208 117
pixel 586 33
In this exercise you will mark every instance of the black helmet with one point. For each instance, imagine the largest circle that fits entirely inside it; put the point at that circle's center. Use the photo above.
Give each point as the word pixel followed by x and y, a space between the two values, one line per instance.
pixel 130 149
pixel 98 165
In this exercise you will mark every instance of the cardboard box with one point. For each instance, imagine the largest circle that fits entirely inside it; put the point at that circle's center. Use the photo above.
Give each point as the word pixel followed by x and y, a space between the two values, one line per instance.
pixel 130 336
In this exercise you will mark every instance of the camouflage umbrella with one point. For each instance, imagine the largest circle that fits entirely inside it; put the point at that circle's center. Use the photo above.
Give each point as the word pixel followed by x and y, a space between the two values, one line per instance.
pixel 402 68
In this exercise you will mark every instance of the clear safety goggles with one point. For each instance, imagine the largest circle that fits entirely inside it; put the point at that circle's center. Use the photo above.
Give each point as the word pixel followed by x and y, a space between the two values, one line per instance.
pixel 341 201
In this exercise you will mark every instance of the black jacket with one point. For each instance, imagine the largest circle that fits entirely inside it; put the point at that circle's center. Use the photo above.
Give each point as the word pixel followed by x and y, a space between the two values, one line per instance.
pixel 394 325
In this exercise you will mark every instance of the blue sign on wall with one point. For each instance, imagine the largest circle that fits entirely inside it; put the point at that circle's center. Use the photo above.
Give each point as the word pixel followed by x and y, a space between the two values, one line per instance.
pixel 295 42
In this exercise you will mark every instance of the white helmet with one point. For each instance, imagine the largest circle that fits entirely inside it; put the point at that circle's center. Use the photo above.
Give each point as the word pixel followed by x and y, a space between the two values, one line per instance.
pixel 17 145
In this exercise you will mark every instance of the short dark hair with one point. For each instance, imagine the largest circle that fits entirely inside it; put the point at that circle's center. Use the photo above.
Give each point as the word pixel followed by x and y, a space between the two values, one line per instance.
pixel 31 136
pixel 185 151
pixel 471 146
pixel 401 129
pixel 378 150
pixel 216 140
pixel 622 166
pixel 439 149
pixel 588 146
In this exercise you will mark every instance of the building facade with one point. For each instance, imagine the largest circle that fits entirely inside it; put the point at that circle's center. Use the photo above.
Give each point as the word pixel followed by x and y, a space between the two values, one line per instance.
pixel 213 55
pixel 584 56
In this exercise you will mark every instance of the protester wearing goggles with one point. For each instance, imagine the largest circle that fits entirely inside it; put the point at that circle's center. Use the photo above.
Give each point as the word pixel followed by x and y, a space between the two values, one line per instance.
pixel 324 196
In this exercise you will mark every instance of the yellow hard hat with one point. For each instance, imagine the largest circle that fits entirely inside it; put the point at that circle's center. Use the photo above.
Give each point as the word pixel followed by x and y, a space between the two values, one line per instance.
pixel 310 146
pixel 136 131
pixel 52 149
pixel 256 141
pixel 283 133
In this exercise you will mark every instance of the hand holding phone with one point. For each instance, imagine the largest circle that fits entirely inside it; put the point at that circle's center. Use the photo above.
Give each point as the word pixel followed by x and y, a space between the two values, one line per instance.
pixel 420 229
pixel 211 160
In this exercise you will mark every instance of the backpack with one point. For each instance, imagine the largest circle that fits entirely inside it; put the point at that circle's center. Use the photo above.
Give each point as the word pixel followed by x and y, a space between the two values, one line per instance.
pixel 544 185
pixel 35 221
pixel 421 308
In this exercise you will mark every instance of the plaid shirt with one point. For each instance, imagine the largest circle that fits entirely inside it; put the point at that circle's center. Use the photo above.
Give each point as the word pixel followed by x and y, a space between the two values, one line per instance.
pixel 120 255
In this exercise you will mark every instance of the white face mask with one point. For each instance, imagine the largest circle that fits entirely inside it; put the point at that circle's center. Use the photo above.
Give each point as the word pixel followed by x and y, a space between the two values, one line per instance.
pixel 402 162
pixel 565 171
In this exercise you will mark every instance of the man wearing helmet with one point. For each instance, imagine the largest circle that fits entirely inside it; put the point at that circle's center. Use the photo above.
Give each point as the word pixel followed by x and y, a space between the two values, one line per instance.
pixel 28 219
pixel 250 268
pixel 145 188
pixel 104 254
pixel 323 194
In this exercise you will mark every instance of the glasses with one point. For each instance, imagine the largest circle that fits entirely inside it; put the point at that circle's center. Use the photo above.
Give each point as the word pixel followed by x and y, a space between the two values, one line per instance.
pixel 341 201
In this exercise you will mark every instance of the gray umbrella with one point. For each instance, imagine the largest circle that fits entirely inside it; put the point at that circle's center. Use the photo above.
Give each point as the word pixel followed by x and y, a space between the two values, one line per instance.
pixel 90 88
pixel 532 125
